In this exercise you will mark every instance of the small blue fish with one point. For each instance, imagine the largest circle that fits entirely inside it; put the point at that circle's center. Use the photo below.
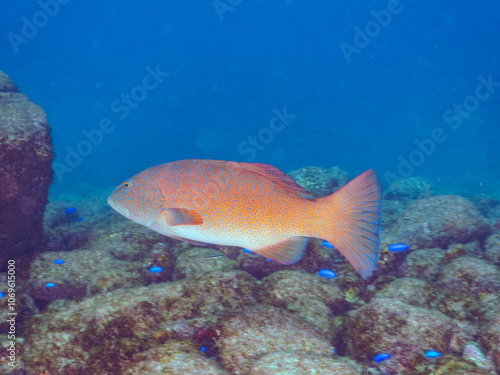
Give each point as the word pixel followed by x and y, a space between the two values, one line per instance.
pixel 80 219
pixel 381 357
pixel 2 295
pixel 327 273
pixel 327 244
pixel 70 210
pixel 432 354
pixel 203 348
pixel 58 261
pixel 247 251
pixel 397 247
pixel 50 285
pixel 155 269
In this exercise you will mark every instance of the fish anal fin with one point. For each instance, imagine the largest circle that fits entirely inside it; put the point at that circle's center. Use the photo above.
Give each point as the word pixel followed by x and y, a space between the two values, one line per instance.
pixel 275 175
pixel 196 243
pixel 288 251
pixel 181 216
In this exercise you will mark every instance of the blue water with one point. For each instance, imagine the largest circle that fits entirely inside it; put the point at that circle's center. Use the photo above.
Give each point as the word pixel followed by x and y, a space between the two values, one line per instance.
pixel 356 104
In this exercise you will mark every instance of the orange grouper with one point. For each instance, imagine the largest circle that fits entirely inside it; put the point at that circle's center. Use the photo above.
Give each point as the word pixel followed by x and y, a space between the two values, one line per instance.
pixel 254 206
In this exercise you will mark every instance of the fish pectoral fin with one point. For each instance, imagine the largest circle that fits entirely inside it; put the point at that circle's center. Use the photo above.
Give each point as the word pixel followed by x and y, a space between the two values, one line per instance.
pixel 288 251
pixel 181 216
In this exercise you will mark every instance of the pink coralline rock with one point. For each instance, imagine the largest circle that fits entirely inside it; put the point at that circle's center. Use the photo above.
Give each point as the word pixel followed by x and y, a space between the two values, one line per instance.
pixel 472 353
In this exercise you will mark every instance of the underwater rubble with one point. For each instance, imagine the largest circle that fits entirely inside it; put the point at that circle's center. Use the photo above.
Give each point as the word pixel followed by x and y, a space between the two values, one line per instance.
pixel 108 296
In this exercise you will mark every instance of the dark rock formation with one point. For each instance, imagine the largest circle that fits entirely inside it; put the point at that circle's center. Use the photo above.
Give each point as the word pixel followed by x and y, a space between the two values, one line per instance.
pixel 25 172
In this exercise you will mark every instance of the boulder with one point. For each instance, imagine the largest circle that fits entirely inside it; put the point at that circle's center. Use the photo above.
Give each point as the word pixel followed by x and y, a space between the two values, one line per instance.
pixel 25 172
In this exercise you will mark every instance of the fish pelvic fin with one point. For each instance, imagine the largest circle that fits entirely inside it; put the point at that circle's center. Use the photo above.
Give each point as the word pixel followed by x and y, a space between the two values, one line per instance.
pixel 351 221
pixel 288 251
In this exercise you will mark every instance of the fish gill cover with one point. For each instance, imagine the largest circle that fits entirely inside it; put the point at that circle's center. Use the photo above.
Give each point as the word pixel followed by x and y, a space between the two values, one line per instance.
pixel 320 91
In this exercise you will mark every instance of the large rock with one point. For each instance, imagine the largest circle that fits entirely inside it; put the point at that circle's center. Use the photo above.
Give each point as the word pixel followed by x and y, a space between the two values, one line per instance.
pixel 103 333
pixel 173 357
pixel 438 222
pixel 252 333
pixel 469 289
pixel 409 290
pixel 409 189
pixel 6 84
pixel 405 332
pixel 25 171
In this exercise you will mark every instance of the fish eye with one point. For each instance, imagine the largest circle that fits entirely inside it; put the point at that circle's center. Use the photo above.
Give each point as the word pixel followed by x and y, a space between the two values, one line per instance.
pixel 126 185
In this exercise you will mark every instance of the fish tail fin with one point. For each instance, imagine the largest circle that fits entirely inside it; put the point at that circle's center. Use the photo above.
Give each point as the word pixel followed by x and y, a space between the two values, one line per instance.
pixel 351 221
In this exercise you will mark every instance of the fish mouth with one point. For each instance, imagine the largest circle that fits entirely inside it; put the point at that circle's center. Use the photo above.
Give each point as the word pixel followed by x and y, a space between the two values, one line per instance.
pixel 122 210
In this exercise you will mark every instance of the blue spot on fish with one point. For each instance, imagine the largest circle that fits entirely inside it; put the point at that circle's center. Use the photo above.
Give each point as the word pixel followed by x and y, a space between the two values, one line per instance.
pixel 50 285
pixel 327 273
pixel 203 348
pixel 70 210
pixel 2 295
pixel 247 251
pixel 80 219
pixel 432 354
pixel 327 244
pixel 381 357
pixel 58 261
pixel 397 247
pixel 155 269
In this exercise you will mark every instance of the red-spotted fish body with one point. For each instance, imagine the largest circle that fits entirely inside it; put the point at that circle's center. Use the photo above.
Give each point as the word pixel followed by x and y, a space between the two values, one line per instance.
pixel 255 206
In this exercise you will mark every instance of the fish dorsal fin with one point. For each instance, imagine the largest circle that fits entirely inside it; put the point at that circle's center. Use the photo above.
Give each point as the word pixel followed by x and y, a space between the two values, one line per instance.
pixel 288 251
pixel 276 176
pixel 181 216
